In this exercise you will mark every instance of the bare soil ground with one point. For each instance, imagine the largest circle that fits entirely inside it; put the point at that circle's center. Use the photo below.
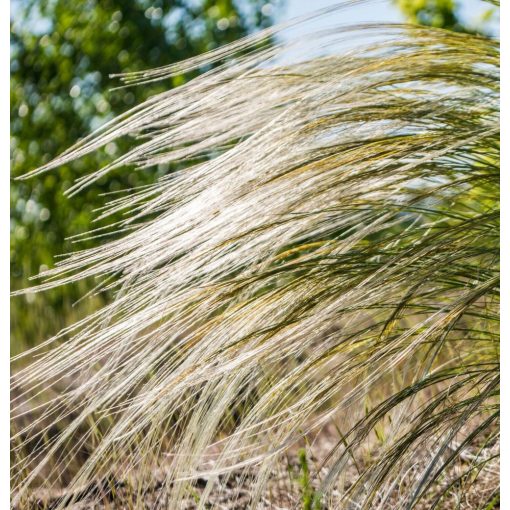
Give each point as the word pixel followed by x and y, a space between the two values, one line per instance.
pixel 284 490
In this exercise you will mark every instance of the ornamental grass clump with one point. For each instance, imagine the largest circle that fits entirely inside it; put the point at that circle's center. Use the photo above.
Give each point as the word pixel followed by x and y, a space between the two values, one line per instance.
pixel 324 249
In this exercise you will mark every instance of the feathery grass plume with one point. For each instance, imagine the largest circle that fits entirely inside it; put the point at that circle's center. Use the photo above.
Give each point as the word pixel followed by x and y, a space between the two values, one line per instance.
pixel 324 251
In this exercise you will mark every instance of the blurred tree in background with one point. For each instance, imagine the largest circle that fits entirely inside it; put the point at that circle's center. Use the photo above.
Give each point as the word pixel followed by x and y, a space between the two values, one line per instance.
pixel 443 14
pixel 62 53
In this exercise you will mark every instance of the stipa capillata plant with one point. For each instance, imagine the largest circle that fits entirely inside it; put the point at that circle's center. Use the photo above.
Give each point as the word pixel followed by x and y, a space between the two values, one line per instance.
pixel 323 249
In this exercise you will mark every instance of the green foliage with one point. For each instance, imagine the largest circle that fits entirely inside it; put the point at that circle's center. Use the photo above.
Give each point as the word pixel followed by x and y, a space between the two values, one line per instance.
pixel 309 497
pixel 441 14
pixel 493 503
pixel 435 13
pixel 62 54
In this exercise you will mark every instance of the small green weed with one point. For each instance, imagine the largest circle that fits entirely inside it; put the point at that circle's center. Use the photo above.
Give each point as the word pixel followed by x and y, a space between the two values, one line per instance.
pixel 311 498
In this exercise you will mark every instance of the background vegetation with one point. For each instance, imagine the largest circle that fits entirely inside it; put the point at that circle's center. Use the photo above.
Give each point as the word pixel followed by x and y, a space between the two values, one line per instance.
pixel 62 54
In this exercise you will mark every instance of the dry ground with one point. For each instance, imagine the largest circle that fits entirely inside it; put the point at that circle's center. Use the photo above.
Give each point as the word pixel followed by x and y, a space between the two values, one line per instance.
pixel 284 490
